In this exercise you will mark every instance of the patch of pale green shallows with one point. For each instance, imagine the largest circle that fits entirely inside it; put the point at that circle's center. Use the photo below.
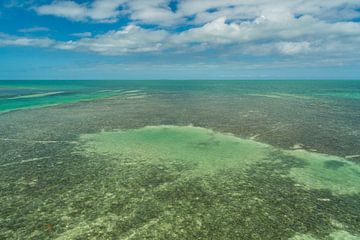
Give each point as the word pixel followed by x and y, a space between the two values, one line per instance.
pixel 326 172
pixel 205 149
pixel 348 95
pixel 36 95
pixel 293 95
pixel 343 235
pixel 303 237
pixel 338 235
pixel 280 95
pixel 264 95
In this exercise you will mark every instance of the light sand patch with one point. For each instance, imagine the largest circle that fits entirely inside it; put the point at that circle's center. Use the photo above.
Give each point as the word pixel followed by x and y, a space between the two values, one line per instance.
pixel 209 151
pixel 136 97
pixel 297 146
pixel 36 95
pixel 133 91
pixel 324 171
pixel 205 149
pixel 265 95
pixel 303 237
pixel 293 96
pixel 343 235
pixel 352 156
pixel 338 235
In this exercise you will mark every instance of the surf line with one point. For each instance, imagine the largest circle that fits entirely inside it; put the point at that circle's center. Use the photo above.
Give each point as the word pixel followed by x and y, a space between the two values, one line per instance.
pixel 35 141
pixel 24 161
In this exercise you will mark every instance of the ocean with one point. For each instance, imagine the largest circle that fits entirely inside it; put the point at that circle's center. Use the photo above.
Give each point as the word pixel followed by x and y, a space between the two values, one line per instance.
pixel 180 159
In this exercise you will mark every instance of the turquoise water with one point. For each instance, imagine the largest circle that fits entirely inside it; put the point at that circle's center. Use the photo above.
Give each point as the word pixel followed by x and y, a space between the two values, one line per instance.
pixel 28 94
pixel 179 160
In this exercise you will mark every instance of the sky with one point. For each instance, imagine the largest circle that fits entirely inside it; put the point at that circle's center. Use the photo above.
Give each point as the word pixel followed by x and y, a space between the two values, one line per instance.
pixel 179 39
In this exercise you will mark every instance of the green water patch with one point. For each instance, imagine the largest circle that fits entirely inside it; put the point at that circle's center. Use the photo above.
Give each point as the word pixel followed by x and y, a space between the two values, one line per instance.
pixel 168 182
pixel 303 237
pixel 204 149
pixel 343 235
pixel 348 95
pixel 326 172
pixel 208 151
pixel 338 235
pixel 191 181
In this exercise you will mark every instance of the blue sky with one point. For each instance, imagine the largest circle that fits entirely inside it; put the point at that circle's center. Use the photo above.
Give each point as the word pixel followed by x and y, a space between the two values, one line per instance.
pixel 181 39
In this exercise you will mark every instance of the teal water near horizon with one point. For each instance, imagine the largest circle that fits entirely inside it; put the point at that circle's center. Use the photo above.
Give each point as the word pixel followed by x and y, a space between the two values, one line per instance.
pixel 27 94
pixel 180 160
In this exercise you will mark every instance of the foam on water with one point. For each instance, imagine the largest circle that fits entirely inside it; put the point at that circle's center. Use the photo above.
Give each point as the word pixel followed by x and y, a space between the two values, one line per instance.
pixel 36 95
pixel 32 101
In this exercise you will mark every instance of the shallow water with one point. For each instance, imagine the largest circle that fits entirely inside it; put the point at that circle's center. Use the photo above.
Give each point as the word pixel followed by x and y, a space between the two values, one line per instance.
pixel 179 160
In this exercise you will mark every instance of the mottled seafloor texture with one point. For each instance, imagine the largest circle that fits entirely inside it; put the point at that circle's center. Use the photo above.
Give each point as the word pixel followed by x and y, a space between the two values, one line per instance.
pixel 180 160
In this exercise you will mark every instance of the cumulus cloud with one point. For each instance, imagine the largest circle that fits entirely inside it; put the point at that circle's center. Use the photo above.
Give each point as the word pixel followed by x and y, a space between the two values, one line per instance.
pixel 290 36
pixel 99 10
pixel 153 12
pixel 130 39
pixel 67 9
pixel 208 10
pixel 305 28
pixel 282 47
pixel 200 11
pixel 290 48
pixel 142 11
pixel 231 26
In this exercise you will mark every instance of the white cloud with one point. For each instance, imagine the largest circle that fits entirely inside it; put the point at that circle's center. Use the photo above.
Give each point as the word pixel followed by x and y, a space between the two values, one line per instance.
pixel 7 40
pixel 67 9
pixel 304 35
pixel 290 31
pixel 82 34
pixel 290 48
pixel 297 27
pixel 217 32
pixel 153 12
pixel 105 10
pixel 99 10
pixel 158 12
pixel 251 9
pixel 283 48
pixel 34 29
pixel 142 11
pixel 130 39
